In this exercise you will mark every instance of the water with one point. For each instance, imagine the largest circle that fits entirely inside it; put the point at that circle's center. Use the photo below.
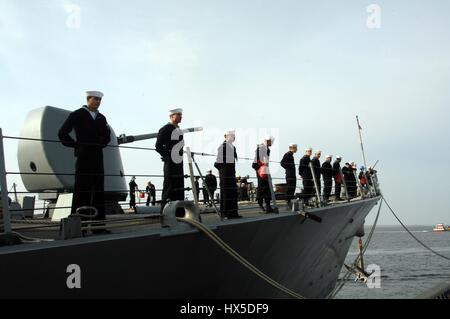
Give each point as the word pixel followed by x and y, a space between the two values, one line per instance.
pixel 407 268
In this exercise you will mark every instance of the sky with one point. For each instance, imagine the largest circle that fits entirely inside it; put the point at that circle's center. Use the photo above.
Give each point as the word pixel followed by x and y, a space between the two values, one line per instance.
pixel 299 70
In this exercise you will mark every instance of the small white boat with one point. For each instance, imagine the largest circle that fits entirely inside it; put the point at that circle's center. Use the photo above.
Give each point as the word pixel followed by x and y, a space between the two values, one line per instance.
pixel 439 228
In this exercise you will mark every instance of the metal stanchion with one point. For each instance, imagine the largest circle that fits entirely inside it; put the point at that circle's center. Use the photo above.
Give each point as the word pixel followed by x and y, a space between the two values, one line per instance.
pixel 191 173
pixel 272 193
pixel 207 190
pixel 316 184
pixel 5 221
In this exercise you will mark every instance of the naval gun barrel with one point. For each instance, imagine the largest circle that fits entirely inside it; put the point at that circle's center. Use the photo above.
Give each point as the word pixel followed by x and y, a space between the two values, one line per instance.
pixel 124 139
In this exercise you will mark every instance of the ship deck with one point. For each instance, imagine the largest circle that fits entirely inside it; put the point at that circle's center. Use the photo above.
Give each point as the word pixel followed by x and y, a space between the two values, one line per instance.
pixel 40 228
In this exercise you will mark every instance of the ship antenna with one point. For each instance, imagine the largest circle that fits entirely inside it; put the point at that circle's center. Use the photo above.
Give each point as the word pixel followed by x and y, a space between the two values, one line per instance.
pixel 360 139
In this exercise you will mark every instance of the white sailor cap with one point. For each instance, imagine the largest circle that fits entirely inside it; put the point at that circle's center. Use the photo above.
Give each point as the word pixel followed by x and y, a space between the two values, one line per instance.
pixel 329 156
pixel 175 111
pixel 229 132
pixel 209 171
pixel 94 94
pixel 308 149
pixel 269 138
pixel 338 157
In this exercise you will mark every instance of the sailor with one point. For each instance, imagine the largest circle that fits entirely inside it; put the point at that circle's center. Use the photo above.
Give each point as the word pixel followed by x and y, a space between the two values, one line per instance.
pixel 305 172
pixel 210 184
pixel 169 145
pixel 151 194
pixel 337 177
pixel 349 178
pixel 226 165
pixel 245 188
pixel 362 176
pixel 133 187
pixel 317 169
pixel 288 164
pixel 261 165
pixel 327 173
pixel 92 134
pixel 353 183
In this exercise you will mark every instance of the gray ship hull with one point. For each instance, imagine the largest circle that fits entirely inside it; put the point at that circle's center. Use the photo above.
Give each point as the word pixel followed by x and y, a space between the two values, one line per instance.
pixel 299 253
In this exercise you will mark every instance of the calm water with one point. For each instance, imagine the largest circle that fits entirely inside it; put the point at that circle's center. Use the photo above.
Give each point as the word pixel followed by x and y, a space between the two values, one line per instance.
pixel 407 268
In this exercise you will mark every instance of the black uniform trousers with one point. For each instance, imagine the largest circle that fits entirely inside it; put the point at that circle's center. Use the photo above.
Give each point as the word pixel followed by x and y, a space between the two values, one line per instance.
pixel 328 184
pixel 337 189
pixel 89 187
pixel 351 188
pixel 228 192
pixel 206 195
pixel 263 192
pixel 173 186
pixel 291 181
pixel 308 189
pixel 151 197
pixel 132 199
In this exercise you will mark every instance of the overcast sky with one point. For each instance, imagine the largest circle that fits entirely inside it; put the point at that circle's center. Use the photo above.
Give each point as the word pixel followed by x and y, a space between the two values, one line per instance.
pixel 300 70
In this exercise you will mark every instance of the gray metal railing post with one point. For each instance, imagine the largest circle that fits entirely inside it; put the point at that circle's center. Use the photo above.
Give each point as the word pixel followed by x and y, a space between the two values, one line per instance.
pixel 207 190
pixel 272 192
pixel 316 185
pixel 5 218
pixel 15 192
pixel 191 173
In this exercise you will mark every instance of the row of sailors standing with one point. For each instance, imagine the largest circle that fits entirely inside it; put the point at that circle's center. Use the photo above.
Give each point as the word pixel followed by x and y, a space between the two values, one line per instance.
pixel 170 145
pixel 226 165
pixel 92 134
pixel 327 171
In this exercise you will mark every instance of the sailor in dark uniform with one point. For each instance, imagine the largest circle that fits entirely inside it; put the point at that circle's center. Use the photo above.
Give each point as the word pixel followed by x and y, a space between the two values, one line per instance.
pixel 327 173
pixel 92 134
pixel 169 145
pixel 288 164
pixel 337 177
pixel 245 188
pixel 317 170
pixel 133 187
pixel 151 194
pixel 350 180
pixel 210 184
pixel 226 165
pixel 353 188
pixel 305 172
pixel 262 158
